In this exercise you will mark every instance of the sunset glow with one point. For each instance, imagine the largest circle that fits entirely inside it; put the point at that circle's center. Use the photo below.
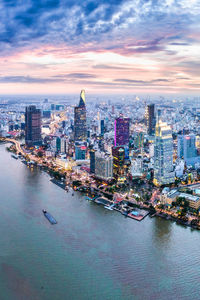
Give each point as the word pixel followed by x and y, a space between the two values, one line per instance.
pixel 116 46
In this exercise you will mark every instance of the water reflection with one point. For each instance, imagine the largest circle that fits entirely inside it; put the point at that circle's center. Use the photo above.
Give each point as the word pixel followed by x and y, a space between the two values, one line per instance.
pixel 161 232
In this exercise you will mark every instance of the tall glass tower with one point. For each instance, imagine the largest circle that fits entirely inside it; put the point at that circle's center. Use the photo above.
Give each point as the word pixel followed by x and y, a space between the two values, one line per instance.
pixel 150 119
pixel 122 131
pixel 80 128
pixel 163 155
pixel 33 126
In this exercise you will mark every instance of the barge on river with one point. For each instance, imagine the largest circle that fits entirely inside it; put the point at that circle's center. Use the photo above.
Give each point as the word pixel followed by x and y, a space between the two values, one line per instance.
pixel 49 217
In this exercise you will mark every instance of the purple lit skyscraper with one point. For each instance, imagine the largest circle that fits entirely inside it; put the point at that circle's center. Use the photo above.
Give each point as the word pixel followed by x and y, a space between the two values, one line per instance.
pixel 122 131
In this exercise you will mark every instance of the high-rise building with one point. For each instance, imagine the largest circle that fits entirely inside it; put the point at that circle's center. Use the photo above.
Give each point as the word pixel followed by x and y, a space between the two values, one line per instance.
pixel 163 155
pixel 120 164
pixel 80 127
pixel 187 146
pixel 103 166
pixel 139 140
pixel 33 126
pixel 102 127
pixel 150 119
pixel 46 114
pixel 122 131
pixel 187 149
pixel 61 144
pixel 92 160
pixel 80 152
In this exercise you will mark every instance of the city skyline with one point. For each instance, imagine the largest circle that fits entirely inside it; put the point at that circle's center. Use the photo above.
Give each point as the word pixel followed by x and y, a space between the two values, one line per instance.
pixel 115 47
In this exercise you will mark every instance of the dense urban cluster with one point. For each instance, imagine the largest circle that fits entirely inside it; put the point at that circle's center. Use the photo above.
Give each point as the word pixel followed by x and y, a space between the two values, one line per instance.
pixel 135 152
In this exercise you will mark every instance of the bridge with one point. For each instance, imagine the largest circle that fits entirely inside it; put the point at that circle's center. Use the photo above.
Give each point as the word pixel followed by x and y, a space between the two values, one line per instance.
pixel 13 141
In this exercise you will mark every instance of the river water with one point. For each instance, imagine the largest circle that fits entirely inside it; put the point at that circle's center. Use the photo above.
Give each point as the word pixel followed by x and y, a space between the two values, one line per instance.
pixel 92 253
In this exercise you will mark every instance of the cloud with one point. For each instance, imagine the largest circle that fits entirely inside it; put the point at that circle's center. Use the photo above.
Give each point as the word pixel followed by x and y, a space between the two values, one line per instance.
pixel 80 75
pixel 95 42
pixel 158 81
pixel 31 23
pixel 110 67
pixel 27 79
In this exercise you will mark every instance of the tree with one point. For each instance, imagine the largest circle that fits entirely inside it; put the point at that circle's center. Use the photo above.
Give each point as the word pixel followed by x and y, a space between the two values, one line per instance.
pixel 180 200
pixel 40 154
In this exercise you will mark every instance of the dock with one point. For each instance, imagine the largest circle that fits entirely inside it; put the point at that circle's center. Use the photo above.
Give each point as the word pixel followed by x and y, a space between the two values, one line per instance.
pixel 138 214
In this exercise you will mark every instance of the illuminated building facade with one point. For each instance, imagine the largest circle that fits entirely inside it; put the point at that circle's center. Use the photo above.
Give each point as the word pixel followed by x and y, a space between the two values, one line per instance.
pixel 120 164
pixel 122 131
pixel 163 155
pixel 80 126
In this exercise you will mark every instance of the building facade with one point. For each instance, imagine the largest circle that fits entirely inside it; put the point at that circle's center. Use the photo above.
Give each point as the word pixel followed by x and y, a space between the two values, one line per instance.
pixel 163 155
pixel 187 149
pixel 120 164
pixel 122 131
pixel 92 161
pixel 80 152
pixel 80 121
pixel 103 166
pixel 150 119
pixel 33 126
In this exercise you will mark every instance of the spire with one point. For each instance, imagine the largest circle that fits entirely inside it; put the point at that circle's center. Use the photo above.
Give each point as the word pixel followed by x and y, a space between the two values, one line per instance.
pixel 82 98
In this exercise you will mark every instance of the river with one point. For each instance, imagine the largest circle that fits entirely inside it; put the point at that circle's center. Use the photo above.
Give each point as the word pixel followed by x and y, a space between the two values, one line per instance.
pixel 92 253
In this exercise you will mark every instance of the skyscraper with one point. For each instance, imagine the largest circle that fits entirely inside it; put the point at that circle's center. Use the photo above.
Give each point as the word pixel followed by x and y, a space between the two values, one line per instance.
pixel 163 155
pixel 103 166
pixel 122 131
pixel 92 161
pixel 80 128
pixel 33 126
pixel 187 148
pixel 150 119
pixel 80 152
pixel 102 126
pixel 120 164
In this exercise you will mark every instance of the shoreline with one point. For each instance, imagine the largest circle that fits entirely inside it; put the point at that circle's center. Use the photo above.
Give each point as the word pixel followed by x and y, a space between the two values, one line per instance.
pixel 87 190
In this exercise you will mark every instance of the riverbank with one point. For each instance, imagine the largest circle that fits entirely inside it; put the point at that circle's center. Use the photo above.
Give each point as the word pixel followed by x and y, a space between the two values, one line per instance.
pixel 129 211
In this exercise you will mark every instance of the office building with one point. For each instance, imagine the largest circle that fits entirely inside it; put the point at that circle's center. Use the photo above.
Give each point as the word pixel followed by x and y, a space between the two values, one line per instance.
pixel 150 119
pixel 46 114
pixel 139 140
pixel 80 127
pixel 187 149
pixel 102 127
pixel 80 152
pixel 187 146
pixel 92 160
pixel 103 166
pixel 122 131
pixel 61 145
pixel 33 126
pixel 120 164
pixel 163 155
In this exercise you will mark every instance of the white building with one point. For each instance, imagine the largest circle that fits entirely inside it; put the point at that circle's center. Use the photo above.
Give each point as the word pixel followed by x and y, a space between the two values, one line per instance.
pixel 163 155
pixel 103 166
pixel 136 167
pixel 179 169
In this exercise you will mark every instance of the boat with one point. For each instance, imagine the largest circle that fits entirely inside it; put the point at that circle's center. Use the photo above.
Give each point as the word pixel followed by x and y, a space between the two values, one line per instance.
pixel 108 207
pixel 49 217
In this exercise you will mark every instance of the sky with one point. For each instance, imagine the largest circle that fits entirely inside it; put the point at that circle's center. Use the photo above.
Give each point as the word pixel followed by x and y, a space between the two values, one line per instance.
pixel 115 46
